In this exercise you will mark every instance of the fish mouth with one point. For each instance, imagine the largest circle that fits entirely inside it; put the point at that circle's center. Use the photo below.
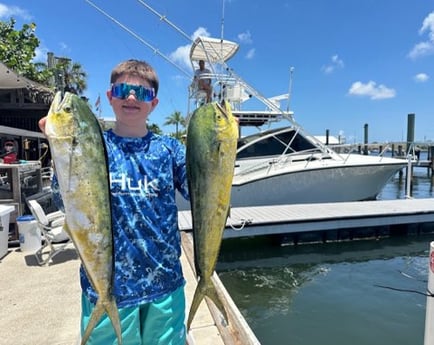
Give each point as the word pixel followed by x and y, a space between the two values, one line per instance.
pixel 222 108
pixel 60 102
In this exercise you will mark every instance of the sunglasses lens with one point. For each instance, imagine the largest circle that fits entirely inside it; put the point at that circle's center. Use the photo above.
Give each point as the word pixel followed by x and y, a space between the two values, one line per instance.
pixel 142 93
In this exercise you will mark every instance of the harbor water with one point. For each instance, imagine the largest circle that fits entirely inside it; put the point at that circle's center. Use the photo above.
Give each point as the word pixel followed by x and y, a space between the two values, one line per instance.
pixel 363 292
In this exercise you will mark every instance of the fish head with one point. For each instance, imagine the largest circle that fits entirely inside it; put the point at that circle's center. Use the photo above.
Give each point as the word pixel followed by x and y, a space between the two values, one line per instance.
pixel 225 122
pixel 70 126
pixel 68 116
pixel 60 119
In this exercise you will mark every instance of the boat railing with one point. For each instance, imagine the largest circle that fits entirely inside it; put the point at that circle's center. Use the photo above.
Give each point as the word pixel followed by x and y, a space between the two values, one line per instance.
pixel 345 150
pixel 308 156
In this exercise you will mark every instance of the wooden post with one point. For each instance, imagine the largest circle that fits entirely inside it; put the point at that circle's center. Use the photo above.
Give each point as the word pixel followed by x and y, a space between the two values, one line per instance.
pixel 327 136
pixel 431 158
pixel 366 139
pixel 410 132
pixel 409 178
pixel 410 143
pixel 400 151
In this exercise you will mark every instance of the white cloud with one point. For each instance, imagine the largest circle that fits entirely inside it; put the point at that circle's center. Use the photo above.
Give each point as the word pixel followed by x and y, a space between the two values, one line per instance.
pixel 426 47
pixel 13 11
pixel 334 64
pixel 421 77
pixel 371 90
pixel 428 25
pixel 41 55
pixel 181 55
pixel 200 31
pixel 245 37
pixel 250 54
pixel 421 49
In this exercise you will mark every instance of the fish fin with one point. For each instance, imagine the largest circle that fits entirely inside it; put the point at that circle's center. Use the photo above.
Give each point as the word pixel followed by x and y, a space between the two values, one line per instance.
pixel 199 294
pixel 111 309
pixel 205 289
pixel 113 313
pixel 97 312
pixel 211 292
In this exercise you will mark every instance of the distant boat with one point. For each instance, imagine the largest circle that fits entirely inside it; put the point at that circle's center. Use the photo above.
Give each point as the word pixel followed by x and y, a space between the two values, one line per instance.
pixel 284 165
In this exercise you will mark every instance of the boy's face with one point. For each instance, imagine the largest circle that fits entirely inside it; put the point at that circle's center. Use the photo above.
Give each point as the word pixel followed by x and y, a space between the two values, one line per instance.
pixel 131 111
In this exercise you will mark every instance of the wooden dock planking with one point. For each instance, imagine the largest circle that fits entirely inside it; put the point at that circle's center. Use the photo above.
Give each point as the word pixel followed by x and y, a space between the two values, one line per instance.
pixel 278 219
pixel 208 326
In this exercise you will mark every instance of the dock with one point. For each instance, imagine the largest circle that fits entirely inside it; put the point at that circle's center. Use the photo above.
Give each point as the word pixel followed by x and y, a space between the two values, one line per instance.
pixel 209 327
pixel 41 304
pixel 302 218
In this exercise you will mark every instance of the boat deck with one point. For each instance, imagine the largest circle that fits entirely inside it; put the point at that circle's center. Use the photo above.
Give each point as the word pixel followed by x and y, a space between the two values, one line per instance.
pixel 296 218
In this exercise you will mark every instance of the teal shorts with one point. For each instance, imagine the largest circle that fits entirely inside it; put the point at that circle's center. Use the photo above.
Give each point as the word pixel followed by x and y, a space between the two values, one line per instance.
pixel 157 323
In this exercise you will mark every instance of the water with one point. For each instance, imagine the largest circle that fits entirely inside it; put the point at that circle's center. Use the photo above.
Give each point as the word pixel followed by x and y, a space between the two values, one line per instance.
pixel 359 293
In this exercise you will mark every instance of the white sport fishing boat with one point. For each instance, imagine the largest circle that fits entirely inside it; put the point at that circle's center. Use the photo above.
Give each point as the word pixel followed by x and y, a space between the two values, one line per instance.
pixel 278 166
pixel 284 165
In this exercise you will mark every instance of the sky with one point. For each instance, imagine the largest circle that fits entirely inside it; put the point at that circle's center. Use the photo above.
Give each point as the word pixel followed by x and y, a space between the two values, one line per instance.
pixel 354 62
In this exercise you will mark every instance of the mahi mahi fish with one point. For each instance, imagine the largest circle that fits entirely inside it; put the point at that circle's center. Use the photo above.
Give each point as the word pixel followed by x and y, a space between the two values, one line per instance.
pixel 212 135
pixel 78 151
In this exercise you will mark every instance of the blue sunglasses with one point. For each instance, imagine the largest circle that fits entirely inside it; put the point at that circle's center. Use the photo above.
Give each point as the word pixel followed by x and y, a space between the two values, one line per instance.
pixel 143 94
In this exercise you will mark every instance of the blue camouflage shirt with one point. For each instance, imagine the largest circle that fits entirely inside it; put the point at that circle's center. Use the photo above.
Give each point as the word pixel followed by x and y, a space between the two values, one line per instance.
pixel 144 175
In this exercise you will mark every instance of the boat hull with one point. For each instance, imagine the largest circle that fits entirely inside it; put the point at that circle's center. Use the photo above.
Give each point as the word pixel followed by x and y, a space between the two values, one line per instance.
pixel 328 183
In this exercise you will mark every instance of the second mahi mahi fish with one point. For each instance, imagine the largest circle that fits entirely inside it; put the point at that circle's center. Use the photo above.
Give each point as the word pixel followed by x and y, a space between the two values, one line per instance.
pixel 212 135
pixel 78 151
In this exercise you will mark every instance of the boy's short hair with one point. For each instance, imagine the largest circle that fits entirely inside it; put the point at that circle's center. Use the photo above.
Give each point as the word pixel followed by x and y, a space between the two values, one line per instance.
pixel 138 68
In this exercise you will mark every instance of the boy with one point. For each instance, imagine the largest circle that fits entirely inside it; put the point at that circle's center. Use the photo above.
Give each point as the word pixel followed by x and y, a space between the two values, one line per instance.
pixel 145 170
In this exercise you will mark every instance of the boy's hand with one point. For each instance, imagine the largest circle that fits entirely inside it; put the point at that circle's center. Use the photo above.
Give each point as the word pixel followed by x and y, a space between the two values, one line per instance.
pixel 42 122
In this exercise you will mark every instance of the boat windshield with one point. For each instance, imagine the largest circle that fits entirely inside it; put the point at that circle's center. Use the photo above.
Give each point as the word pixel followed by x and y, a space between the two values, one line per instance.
pixel 272 144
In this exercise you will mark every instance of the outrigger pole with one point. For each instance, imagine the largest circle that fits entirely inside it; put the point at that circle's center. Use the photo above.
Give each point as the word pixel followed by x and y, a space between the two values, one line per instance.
pixel 251 90
pixel 155 50
pixel 164 19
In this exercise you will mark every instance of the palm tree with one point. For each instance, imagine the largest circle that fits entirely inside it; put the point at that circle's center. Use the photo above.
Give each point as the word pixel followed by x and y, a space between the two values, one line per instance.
pixel 153 127
pixel 175 119
pixel 73 76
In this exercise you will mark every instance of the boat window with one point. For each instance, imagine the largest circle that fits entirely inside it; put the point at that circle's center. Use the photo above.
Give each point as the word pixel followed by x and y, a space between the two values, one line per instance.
pixel 273 145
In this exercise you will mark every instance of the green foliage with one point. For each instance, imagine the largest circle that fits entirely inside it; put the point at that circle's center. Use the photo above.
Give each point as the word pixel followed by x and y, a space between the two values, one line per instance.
pixel 178 120
pixel 17 49
pixel 153 127
pixel 72 75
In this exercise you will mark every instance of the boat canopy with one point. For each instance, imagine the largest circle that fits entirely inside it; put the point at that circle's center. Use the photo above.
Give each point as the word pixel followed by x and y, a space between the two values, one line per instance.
pixel 213 50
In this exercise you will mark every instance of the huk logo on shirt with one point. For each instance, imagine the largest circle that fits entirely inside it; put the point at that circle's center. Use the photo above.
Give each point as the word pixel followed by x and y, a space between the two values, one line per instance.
pixel 130 185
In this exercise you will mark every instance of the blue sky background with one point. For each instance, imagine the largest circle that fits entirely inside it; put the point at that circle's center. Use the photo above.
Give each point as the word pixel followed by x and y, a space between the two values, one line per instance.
pixel 355 62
